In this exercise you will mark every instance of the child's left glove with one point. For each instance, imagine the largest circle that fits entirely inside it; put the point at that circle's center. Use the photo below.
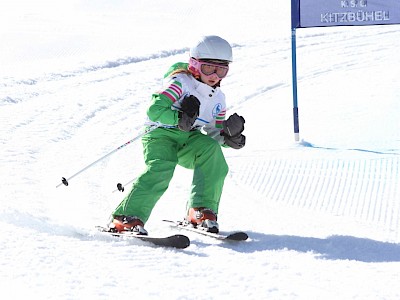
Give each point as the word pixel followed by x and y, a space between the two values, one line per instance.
pixel 232 131
pixel 190 107
pixel 233 126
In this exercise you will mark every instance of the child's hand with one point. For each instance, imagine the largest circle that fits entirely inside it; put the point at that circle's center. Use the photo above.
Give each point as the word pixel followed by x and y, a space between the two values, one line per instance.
pixel 190 107
pixel 234 126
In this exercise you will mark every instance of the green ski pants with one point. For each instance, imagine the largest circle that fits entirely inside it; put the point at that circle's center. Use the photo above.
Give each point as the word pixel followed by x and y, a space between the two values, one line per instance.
pixel 163 150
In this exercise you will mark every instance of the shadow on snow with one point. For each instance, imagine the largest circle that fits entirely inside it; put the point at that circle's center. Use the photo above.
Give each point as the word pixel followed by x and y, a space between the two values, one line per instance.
pixel 310 145
pixel 333 247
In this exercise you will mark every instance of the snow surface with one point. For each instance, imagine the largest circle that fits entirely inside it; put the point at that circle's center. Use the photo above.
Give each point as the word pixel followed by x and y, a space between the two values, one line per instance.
pixel 323 215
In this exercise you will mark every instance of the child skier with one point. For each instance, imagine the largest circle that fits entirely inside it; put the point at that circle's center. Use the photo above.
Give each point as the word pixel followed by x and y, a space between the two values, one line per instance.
pixel 191 100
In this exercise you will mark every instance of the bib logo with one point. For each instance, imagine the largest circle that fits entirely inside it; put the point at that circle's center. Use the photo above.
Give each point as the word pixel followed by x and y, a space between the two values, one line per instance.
pixel 216 110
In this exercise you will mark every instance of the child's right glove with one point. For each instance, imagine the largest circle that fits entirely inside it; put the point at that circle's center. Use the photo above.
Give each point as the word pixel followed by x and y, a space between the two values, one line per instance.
pixel 190 107
pixel 233 128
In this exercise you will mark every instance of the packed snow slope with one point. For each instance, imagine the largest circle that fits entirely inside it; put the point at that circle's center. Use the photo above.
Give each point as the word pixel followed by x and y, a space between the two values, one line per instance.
pixel 323 214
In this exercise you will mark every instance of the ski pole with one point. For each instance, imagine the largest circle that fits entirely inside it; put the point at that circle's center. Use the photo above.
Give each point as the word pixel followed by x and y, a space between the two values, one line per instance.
pixel 121 187
pixel 64 181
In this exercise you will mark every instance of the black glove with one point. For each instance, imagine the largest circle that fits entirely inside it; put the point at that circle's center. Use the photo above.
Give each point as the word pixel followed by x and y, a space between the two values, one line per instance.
pixel 190 107
pixel 234 126
pixel 235 142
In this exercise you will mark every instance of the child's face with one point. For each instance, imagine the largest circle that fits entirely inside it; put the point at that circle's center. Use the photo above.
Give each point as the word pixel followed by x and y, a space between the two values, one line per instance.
pixel 210 80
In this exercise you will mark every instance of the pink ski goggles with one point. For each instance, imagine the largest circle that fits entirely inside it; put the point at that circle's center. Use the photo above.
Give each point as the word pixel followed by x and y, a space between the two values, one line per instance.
pixel 208 68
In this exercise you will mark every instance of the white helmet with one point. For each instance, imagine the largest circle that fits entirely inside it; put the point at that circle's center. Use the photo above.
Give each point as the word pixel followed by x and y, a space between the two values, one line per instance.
pixel 212 47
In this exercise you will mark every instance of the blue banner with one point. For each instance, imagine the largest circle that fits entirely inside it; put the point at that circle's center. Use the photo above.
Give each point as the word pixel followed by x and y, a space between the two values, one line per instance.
pixel 317 13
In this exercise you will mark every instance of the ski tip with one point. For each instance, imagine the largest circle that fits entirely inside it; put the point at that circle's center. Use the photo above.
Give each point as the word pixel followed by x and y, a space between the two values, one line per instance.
pixel 238 236
pixel 179 241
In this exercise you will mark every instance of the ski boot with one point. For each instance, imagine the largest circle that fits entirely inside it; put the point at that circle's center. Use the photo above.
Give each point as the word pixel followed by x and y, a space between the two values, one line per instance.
pixel 203 217
pixel 127 223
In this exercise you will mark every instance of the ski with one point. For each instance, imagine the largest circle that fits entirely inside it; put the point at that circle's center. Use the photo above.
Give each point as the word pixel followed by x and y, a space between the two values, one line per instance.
pixel 233 236
pixel 178 241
